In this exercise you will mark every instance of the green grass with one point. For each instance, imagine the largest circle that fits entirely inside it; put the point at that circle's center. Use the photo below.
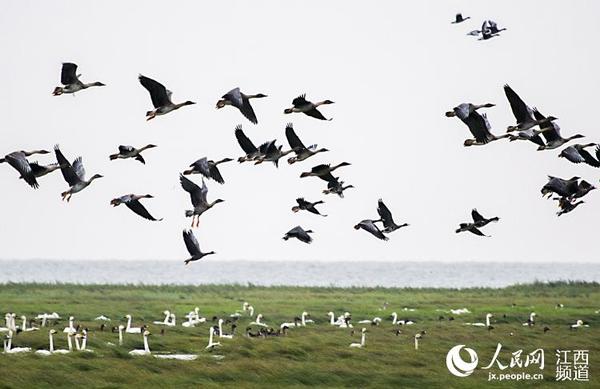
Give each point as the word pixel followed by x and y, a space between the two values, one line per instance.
pixel 314 356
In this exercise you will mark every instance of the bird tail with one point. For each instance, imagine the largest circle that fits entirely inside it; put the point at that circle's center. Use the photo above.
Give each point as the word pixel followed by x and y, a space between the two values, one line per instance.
pixel 189 213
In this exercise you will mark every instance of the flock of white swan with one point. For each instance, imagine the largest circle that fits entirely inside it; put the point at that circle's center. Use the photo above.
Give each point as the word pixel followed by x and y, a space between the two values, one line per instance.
pixel 76 336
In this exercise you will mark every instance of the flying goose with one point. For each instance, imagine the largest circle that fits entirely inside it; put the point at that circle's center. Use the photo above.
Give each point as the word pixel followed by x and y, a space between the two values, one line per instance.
pixel 299 233
pixel 42 170
pixel 481 221
pixel 269 151
pixel 302 152
pixel 567 205
pixel 208 168
pixel 323 171
pixel 307 206
pixel 241 101
pixel 131 152
pixel 371 227
pixel 336 186
pixel 471 227
pixel 193 247
pixel 133 202
pixel 161 98
pixel 562 187
pixel 246 144
pixel 70 79
pixel 462 111
pixel 73 174
pixel 523 114
pixel 198 197
pixel 386 218
pixel 551 132
pixel 494 27
pixel 18 160
pixel 577 154
pixel 459 18
pixel 300 104
pixel 486 31
pixel 480 128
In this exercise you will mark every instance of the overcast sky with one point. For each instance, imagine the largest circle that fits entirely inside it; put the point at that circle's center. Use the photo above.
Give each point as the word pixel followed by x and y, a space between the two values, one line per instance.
pixel 392 69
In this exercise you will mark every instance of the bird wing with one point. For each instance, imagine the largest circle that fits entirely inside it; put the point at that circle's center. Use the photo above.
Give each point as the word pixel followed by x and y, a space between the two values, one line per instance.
pixel 193 189
pixel 573 155
pixel 370 227
pixel 300 101
pixel 68 74
pixel 37 169
pixel 202 166
pixel 293 140
pixel 79 169
pixel 215 174
pixel 588 158
pixel 18 161
pixel 125 149
pixel 191 243
pixel 245 143
pixel 476 216
pixel 66 169
pixel 158 93
pixel 479 126
pixel 520 110
pixel 301 202
pixel 550 130
pixel 315 113
pixel 476 231
pixel 235 96
pixel 139 209
pixel 247 110
pixel 384 213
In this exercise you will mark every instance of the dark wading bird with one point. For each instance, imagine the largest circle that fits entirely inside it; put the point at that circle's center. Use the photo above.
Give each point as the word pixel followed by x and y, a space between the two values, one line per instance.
pixel 304 205
pixel 551 132
pixel 198 197
pixel 73 174
pixel 387 219
pixel 577 154
pixel 300 104
pixel 193 247
pixel 18 160
pixel 208 168
pixel 323 171
pixel 302 152
pixel 131 152
pixel 133 202
pixel 336 186
pixel 241 101
pixel 161 98
pixel 371 227
pixel 523 114
pixel 299 233
pixel 459 18
pixel 70 79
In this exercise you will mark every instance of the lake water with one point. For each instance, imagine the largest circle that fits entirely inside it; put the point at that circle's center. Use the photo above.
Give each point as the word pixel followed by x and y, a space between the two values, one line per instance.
pixel 343 274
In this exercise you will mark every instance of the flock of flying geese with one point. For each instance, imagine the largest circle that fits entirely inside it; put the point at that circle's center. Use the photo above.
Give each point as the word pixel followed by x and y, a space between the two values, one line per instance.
pixel 77 335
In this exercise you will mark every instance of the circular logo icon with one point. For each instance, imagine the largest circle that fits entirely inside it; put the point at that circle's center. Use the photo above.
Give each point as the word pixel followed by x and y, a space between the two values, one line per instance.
pixel 456 365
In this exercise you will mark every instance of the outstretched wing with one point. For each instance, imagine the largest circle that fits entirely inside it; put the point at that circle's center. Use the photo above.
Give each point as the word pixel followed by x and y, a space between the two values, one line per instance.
pixel 66 169
pixel 295 142
pixel 193 189
pixel 315 114
pixel 79 169
pixel 68 74
pixel 191 243
pixel 215 174
pixel 19 162
pixel 520 110
pixel 245 143
pixel 139 209
pixel 370 227
pixel 384 212
pixel 158 93
pixel 300 101
pixel 476 216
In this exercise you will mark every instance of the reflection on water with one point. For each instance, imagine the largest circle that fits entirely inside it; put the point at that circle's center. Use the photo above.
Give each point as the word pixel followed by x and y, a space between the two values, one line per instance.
pixel 398 274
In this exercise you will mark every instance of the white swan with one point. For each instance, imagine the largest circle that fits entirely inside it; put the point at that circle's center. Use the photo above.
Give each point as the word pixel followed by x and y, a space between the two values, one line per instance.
pixel 132 330
pixel 193 318
pixel 258 322
pixel 459 311
pixel 165 321
pixel 69 344
pixel 50 350
pixel 83 346
pixel 25 328
pixel 70 328
pixel 250 311
pixel 221 334
pixel 343 321
pixel 7 320
pixel 146 350
pixel 121 328
pixel 305 320
pixel 417 337
pixel 395 320
pixel 212 344
pixel 531 320
pixel 102 318
pixel 331 318
pixel 362 340
pixel 578 323
pixel 486 324
pixel 179 357
pixel 8 349
pixel 375 321
pixel 190 321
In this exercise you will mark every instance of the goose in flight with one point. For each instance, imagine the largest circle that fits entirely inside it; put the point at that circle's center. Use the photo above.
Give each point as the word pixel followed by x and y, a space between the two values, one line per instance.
pixel 462 111
pixel 336 186
pixel 459 18
pixel 269 151
pixel 133 202
pixel 577 154
pixel 241 101
pixel 486 31
pixel 560 186
pixel 480 128
pixel 193 247
pixel 198 197
pixel 208 168
pixel 371 227
pixel 42 170
pixel 74 174
pixel 551 132
pixel 300 104
pixel 246 144
pixel 471 227
pixel 304 205
pixel 493 26
pixel 131 152
pixel 523 114
pixel 387 219
pixel 302 152
pixel 481 221
pixel 323 171
pixel 18 160
pixel 161 98
pixel 299 233
pixel 566 205
pixel 70 79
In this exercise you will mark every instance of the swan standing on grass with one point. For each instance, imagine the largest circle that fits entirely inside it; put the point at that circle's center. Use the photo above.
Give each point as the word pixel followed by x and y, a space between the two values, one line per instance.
pixel 258 321
pixel 212 344
pixel 132 330
pixel 70 328
pixel 146 350
pixel 362 340
pixel 531 320
pixel 486 324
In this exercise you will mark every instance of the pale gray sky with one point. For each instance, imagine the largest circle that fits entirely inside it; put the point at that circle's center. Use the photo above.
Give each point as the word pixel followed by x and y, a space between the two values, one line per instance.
pixel 393 69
